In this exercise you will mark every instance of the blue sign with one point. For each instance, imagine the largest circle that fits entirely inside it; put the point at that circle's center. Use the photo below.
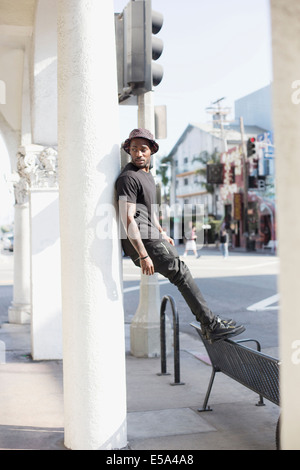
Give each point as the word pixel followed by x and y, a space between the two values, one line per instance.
pixel 268 148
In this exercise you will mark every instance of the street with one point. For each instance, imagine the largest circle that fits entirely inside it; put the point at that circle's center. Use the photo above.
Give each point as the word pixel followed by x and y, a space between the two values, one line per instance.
pixel 242 287
pixel 158 416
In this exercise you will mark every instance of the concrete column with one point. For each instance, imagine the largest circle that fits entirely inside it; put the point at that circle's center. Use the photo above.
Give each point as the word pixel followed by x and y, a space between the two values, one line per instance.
pixel 89 162
pixel 20 309
pixel 46 318
pixel 286 93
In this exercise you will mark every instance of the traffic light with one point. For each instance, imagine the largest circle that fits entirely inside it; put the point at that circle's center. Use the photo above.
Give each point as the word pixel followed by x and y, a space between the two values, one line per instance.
pixel 138 48
pixel 215 173
pixel 154 46
pixel 251 146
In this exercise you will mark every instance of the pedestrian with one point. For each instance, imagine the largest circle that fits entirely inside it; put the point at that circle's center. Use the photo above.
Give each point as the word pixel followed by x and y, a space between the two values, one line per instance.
pixel 148 245
pixel 190 244
pixel 224 243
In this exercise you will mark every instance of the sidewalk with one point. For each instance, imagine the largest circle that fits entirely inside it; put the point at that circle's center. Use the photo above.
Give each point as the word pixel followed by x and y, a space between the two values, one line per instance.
pixel 160 416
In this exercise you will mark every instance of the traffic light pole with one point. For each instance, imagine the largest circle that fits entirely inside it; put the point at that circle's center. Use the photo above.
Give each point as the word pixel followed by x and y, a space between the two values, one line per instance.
pixel 245 174
pixel 145 325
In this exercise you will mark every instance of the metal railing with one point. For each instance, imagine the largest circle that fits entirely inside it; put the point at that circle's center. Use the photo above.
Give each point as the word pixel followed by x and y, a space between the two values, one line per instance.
pixel 163 349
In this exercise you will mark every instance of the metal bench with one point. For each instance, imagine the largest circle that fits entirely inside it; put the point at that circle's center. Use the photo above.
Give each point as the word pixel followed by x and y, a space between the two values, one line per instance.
pixel 251 368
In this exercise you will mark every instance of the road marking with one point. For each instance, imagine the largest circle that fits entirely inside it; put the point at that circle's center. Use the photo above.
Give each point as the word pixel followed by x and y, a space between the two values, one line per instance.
pixel 131 289
pixel 222 267
pixel 265 304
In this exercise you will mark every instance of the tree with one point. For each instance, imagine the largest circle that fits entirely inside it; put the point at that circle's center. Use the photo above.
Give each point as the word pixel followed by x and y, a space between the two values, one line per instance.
pixel 206 159
pixel 162 171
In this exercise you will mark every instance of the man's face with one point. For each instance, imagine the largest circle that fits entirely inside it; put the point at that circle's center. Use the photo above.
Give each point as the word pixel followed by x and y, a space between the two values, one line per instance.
pixel 140 152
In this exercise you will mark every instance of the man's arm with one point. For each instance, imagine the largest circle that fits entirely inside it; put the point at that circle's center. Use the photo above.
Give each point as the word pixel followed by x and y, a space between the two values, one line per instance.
pixel 127 213
pixel 160 229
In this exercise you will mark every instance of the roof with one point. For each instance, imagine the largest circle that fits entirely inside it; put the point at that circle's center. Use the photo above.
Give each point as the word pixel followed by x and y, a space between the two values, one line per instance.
pixel 232 133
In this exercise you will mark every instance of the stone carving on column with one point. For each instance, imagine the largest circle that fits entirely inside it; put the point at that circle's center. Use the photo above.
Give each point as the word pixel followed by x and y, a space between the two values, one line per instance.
pixel 36 168
pixel 45 174
pixel 21 179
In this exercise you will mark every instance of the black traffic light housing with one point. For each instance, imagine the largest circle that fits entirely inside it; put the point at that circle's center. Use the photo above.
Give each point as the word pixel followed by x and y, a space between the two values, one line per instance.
pixel 255 163
pixel 138 48
pixel 215 173
pixel 251 146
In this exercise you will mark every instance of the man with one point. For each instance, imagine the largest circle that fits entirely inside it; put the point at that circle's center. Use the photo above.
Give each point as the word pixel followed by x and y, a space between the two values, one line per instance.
pixel 148 245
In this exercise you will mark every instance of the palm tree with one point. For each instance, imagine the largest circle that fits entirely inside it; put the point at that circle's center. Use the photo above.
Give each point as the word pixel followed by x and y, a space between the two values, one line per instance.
pixel 162 171
pixel 205 158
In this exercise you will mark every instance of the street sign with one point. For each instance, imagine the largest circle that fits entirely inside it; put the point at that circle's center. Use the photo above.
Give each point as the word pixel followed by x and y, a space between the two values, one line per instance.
pixel 269 155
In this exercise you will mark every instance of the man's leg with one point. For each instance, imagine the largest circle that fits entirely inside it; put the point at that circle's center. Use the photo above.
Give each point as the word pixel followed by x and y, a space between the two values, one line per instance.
pixel 179 274
pixel 167 262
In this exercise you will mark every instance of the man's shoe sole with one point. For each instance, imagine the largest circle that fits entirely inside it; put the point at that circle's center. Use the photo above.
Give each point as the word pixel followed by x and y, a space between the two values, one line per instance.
pixel 228 334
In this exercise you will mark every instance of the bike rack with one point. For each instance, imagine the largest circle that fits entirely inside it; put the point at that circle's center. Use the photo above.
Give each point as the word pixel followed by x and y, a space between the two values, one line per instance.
pixel 163 351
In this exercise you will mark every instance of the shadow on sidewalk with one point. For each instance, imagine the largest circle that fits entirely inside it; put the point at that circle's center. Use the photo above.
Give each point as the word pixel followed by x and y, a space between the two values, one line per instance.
pixel 31 438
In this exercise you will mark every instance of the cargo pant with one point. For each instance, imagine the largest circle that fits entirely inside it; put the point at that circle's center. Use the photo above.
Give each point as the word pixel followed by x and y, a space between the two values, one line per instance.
pixel 166 262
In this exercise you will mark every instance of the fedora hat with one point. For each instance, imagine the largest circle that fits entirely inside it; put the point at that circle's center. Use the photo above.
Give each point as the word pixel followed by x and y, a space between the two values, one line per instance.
pixel 143 134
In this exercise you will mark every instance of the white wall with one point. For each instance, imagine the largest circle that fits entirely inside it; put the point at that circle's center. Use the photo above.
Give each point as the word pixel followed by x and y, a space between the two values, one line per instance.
pixel 44 85
pixel 11 72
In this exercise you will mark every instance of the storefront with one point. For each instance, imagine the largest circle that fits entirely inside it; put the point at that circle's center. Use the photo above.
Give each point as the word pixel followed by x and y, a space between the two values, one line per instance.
pixel 261 222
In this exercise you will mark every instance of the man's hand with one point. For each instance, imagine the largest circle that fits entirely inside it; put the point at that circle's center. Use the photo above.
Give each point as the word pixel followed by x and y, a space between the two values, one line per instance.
pixel 169 239
pixel 147 266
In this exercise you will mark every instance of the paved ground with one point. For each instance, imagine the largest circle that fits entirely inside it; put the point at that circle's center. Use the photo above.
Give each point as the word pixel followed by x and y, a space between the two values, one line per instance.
pixel 161 416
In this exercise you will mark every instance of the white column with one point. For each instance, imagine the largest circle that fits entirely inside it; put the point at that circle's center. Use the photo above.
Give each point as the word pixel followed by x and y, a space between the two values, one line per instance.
pixel 286 104
pixel 46 318
pixel 89 162
pixel 145 325
pixel 20 309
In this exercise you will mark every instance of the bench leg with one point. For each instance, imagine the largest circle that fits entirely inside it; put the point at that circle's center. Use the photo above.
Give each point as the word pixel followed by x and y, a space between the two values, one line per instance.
pixel 205 407
pixel 261 401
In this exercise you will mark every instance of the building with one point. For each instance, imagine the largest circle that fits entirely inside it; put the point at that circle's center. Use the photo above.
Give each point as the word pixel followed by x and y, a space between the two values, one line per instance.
pixel 190 186
pixel 256 109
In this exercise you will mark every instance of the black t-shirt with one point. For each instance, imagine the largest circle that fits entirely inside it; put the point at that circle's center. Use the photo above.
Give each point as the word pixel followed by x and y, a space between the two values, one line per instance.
pixel 138 186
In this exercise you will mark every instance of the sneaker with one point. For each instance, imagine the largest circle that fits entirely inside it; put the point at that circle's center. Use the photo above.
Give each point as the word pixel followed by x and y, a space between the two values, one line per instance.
pixel 223 330
pixel 227 322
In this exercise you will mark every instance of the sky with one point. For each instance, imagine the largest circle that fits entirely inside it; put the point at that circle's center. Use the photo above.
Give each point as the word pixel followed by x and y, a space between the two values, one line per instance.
pixel 212 49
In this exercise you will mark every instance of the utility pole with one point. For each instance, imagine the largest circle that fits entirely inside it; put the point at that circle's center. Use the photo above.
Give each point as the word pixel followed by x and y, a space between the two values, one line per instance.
pixel 145 325
pixel 245 173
